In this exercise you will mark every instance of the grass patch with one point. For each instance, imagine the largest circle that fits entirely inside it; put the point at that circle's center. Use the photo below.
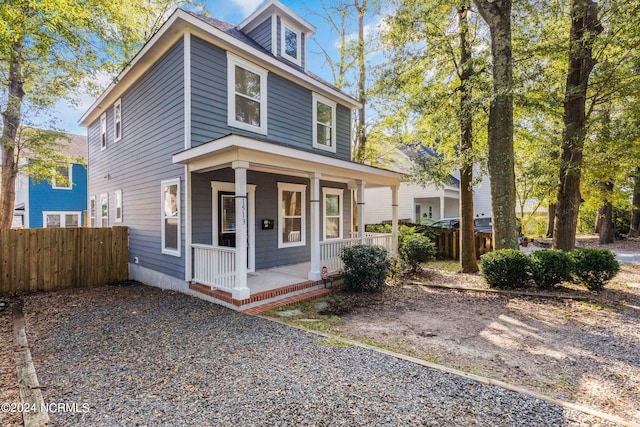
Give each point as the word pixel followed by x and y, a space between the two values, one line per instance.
pixel 322 323
pixel 332 342
pixel 445 266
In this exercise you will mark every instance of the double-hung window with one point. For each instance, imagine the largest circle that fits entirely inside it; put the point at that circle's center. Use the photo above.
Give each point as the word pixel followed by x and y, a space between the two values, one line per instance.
pixel 324 123
pixel 118 200
pixel 291 41
pixel 61 219
pixel 332 213
pixel 66 182
pixel 247 95
pixel 92 211
pixel 291 215
pixel 104 210
pixel 103 131
pixel 171 217
pixel 117 120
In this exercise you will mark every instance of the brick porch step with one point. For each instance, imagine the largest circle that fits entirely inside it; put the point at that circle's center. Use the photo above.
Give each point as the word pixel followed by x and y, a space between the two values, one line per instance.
pixel 266 300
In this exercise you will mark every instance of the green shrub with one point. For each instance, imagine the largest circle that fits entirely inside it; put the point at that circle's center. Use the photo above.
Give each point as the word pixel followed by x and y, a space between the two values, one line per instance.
pixel 594 267
pixel 550 267
pixel 417 249
pixel 378 228
pixel 365 267
pixel 506 268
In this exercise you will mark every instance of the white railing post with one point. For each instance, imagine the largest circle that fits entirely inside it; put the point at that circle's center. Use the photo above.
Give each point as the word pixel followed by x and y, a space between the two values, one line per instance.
pixel 315 264
pixel 241 290
pixel 394 220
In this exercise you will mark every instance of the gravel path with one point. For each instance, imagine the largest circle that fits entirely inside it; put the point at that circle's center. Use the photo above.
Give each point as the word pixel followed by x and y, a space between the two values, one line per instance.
pixel 141 356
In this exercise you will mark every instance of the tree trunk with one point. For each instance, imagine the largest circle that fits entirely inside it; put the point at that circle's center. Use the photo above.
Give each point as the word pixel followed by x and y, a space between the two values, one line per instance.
pixel 634 229
pixel 596 226
pixel 551 219
pixel 497 15
pixel 361 136
pixel 468 259
pixel 606 232
pixel 584 27
pixel 10 124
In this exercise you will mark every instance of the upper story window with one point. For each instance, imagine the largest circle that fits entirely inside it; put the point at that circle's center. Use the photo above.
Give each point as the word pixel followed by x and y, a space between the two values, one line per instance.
pixel 290 44
pixel 247 95
pixel 64 183
pixel 117 120
pixel 324 123
pixel 103 131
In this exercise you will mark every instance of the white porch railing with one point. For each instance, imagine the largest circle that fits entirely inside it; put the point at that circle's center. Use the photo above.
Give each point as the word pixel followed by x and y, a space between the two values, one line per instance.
pixel 330 250
pixel 214 266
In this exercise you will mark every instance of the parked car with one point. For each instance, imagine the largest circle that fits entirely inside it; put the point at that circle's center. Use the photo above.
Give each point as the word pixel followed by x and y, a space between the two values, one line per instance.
pixel 445 223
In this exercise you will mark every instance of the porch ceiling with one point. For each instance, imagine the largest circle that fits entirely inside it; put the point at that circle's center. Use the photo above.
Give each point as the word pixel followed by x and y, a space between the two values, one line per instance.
pixel 275 158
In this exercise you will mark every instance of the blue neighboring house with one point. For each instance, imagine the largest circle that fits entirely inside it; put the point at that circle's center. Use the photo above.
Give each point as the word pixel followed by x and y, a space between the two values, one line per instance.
pixel 226 158
pixel 44 204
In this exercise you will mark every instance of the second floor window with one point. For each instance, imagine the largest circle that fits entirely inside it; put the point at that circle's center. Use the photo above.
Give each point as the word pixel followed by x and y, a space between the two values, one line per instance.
pixel 324 123
pixel 62 178
pixel 117 121
pixel 103 131
pixel 247 95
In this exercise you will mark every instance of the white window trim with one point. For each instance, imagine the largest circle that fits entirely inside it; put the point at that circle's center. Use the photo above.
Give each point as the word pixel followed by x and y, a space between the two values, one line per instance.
pixel 318 98
pixel 106 196
pixel 118 202
pixel 117 105
pixel 62 217
pixel 232 62
pixel 92 220
pixel 174 252
pixel 55 185
pixel 335 192
pixel 285 186
pixel 284 25
pixel 103 132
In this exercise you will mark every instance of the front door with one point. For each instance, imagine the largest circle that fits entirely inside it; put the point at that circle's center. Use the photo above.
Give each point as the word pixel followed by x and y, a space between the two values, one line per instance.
pixel 224 218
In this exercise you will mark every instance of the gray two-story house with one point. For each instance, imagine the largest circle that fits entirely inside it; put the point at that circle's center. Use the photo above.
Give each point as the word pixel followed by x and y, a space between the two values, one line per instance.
pixel 229 162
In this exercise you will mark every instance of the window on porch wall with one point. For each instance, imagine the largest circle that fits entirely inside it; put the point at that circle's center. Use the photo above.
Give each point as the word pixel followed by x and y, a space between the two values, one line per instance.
pixel 332 213
pixel 291 215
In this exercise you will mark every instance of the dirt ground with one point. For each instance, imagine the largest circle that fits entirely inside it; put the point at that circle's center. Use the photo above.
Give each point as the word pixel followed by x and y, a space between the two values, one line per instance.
pixel 586 351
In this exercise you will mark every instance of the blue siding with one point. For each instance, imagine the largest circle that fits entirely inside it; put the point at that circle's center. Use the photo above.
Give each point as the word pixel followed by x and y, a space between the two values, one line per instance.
pixel 152 131
pixel 266 241
pixel 43 197
pixel 289 106
pixel 262 34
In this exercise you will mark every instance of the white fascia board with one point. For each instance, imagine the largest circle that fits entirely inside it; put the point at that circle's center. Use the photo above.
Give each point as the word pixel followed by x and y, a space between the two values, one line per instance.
pixel 271 149
pixel 269 8
pixel 167 35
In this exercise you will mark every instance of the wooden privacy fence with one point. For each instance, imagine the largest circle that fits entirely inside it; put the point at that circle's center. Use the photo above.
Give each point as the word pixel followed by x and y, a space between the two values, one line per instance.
pixel 48 259
pixel 448 243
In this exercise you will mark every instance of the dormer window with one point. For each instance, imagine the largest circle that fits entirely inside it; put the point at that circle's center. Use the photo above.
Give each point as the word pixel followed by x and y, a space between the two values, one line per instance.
pixel 291 41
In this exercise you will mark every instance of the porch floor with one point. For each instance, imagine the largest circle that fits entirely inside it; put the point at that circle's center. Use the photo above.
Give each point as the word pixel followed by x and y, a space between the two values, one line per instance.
pixel 278 277
pixel 272 287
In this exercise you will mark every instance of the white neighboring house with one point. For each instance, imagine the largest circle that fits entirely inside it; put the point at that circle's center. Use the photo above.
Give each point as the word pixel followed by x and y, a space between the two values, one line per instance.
pixel 416 202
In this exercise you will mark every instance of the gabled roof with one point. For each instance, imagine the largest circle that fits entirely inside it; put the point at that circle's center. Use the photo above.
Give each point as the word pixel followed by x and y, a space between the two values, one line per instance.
pixel 419 150
pixel 271 7
pixel 217 32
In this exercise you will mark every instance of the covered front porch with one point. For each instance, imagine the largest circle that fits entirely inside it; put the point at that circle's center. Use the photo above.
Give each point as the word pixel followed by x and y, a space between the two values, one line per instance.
pixel 289 214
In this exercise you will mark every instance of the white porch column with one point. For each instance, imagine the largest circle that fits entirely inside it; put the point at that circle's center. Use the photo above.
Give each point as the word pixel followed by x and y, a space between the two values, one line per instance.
pixel 361 185
pixel 241 291
pixel 441 207
pixel 394 219
pixel 314 271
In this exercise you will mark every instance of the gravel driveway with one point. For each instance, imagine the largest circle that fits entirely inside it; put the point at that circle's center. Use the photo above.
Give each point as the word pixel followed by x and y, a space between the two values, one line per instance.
pixel 137 355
